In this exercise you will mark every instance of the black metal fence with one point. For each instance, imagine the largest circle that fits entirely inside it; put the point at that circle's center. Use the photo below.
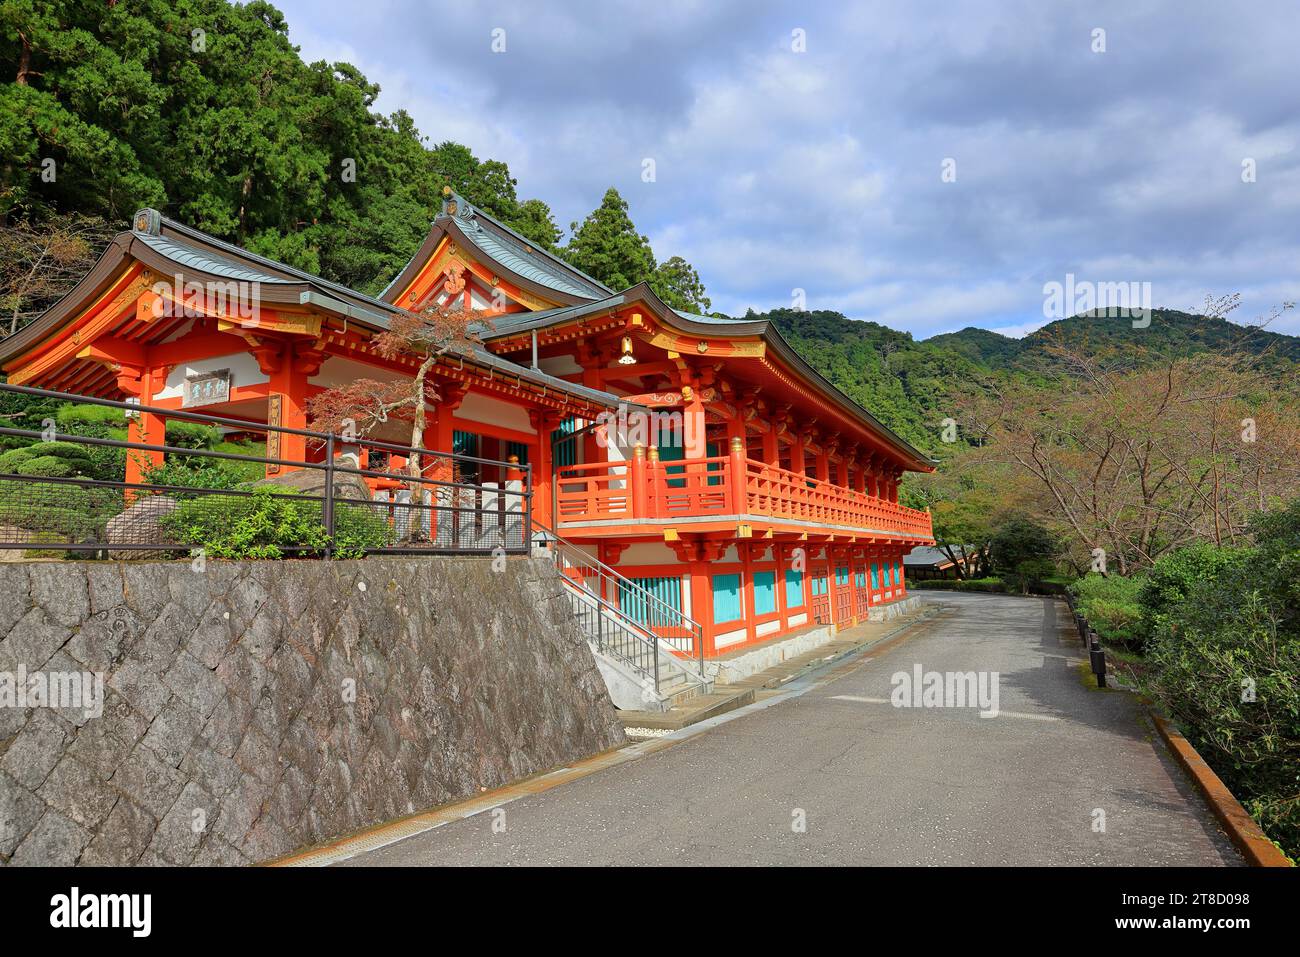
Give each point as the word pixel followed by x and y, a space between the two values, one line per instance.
pixel 65 489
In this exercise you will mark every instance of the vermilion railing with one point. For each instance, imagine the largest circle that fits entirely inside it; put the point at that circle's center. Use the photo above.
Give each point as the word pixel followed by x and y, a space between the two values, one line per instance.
pixel 720 485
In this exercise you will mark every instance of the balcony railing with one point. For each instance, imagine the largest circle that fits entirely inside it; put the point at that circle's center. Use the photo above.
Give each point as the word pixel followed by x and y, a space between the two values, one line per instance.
pixel 644 489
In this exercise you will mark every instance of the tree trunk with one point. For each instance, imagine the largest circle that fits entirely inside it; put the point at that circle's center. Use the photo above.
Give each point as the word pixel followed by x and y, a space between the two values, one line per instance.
pixel 244 193
pixel 24 61
pixel 419 422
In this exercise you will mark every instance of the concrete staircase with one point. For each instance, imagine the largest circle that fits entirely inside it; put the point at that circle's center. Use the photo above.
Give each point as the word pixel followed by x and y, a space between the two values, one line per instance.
pixel 643 671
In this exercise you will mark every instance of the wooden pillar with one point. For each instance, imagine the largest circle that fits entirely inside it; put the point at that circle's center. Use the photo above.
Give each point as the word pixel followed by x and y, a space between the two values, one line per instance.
pixel 702 604
pixel 637 494
pixel 771 448
pixel 738 477
pixel 797 463
pixel 146 428
pixel 746 556
pixel 544 467
pixel 694 437
pixel 294 411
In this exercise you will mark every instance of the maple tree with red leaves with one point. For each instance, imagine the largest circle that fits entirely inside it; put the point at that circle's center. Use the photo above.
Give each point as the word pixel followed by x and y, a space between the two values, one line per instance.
pixel 364 405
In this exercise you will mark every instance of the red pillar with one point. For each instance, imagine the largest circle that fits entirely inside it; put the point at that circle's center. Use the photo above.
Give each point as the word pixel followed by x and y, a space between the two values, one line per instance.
pixel 146 428
pixel 702 604
pixel 739 478
pixel 290 385
pixel 544 468
pixel 637 493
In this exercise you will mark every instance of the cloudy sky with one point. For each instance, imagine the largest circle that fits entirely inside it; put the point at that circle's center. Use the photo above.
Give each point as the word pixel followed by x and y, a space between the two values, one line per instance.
pixel 803 145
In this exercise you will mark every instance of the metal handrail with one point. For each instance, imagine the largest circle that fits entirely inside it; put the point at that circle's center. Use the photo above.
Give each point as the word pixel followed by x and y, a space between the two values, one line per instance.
pixel 648 641
pixel 622 585
pixel 462 514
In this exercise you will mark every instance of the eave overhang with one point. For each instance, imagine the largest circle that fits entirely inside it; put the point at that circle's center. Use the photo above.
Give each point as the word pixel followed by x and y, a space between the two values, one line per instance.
pixel 280 286
pixel 730 329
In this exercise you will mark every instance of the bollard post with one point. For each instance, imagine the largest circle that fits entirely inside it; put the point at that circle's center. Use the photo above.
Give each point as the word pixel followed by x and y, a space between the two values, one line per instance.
pixel 1097 657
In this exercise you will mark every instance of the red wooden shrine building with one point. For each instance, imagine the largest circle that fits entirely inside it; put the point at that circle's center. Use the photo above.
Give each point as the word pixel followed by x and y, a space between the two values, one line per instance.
pixel 700 457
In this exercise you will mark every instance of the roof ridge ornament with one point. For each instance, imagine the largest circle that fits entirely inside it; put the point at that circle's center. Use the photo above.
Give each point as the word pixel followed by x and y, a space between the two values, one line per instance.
pixel 147 222
pixel 453 204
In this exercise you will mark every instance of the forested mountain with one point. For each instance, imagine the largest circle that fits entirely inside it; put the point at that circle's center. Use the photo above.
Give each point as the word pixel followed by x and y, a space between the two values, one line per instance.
pixel 205 110
pixel 912 385
pixel 1170 333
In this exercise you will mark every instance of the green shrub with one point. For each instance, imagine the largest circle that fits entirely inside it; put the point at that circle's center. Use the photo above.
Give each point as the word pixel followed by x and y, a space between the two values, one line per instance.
pixel 272 523
pixel 192 435
pixel 199 472
pixel 1174 576
pixel 49 466
pixel 60 511
pixel 1110 603
pixel 9 461
pixel 1224 652
pixel 1220 646
pixel 961 584
pixel 205 471
pixel 107 464
pixel 65 511
pixel 71 459
pixel 70 416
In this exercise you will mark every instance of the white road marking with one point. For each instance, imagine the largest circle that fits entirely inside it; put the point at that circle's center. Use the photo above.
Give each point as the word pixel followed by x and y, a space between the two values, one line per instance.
pixel 1001 714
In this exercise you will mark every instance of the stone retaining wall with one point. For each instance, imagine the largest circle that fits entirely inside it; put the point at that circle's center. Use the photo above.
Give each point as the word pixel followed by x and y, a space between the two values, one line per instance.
pixel 253 708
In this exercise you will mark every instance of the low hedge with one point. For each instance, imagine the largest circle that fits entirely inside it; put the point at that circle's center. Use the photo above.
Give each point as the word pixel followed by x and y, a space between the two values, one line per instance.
pixel 274 522
pixel 961 584
pixel 1111 605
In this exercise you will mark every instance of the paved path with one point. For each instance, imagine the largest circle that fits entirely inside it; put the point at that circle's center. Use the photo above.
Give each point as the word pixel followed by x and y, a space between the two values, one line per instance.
pixel 878 784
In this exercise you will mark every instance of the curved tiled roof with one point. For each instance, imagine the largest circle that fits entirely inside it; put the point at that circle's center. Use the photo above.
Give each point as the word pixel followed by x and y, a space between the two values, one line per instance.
pixel 518 261
pixel 515 255
pixel 190 257
pixel 169 244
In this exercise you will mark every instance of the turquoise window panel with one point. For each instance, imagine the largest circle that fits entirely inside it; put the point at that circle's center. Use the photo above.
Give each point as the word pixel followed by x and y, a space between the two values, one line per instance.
pixel 726 598
pixel 793 588
pixel 764 593
pixel 464 443
pixel 875 575
pixel 645 611
pixel 842 576
pixel 860 578
pixel 564 449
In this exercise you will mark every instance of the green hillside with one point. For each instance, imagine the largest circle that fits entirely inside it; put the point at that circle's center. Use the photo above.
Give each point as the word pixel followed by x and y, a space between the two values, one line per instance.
pixel 1171 333
pixel 912 385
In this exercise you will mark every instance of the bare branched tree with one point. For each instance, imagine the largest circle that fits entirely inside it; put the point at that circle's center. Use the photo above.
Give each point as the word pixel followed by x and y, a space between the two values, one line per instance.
pixel 40 261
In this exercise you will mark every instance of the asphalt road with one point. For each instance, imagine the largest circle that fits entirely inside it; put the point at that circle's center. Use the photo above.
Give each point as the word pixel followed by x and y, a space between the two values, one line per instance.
pixel 877 784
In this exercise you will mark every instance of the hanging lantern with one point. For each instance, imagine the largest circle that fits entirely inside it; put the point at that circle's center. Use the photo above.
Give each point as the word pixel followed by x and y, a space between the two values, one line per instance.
pixel 627 359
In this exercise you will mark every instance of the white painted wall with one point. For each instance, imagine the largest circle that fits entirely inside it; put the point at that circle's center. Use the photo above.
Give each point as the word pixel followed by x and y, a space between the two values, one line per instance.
pixel 730 638
pixel 337 370
pixel 483 408
pixel 243 372
pixel 648 553
pixel 558 365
